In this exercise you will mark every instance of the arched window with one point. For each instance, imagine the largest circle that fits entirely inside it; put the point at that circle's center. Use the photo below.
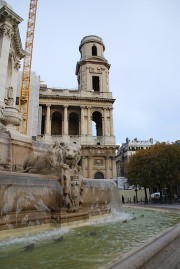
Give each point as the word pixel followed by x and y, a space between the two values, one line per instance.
pixel 56 123
pixel 97 119
pixel 99 175
pixel 73 124
pixel 94 50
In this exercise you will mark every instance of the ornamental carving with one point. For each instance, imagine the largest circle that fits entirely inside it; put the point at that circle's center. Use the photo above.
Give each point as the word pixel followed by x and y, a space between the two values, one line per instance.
pixel 6 31
pixel 17 64
pixel 98 162
pixel 96 70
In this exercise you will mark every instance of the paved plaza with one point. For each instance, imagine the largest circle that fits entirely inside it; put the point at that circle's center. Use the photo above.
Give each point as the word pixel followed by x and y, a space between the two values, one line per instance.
pixel 169 207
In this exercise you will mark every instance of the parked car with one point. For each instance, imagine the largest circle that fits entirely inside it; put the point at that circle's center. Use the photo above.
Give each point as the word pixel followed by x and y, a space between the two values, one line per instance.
pixel 154 197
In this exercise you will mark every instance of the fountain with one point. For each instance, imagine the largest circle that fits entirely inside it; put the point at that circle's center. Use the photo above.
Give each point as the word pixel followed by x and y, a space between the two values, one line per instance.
pixel 41 206
pixel 52 191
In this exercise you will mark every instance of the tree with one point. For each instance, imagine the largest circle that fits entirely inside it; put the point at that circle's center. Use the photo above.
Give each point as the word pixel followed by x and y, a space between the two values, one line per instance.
pixel 158 165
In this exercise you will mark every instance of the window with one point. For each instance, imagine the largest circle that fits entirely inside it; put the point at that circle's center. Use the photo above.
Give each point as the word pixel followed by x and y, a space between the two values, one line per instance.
pixel 17 101
pixel 95 83
pixel 94 50
pixel 99 175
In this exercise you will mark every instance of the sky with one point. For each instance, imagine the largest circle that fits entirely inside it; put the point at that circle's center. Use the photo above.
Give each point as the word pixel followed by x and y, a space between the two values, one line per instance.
pixel 142 45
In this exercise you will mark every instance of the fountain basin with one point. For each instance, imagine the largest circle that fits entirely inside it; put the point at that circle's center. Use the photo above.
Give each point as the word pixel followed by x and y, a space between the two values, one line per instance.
pixel 28 200
pixel 95 245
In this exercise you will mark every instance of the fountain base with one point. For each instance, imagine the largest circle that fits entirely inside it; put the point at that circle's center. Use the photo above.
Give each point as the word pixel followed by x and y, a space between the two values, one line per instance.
pixel 31 201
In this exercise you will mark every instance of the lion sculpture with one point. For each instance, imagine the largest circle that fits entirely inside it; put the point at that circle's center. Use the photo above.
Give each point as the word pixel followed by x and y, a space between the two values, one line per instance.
pixel 61 154
pixel 61 160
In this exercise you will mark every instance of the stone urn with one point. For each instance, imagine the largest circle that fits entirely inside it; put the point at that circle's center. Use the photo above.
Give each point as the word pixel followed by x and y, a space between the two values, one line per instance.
pixel 12 117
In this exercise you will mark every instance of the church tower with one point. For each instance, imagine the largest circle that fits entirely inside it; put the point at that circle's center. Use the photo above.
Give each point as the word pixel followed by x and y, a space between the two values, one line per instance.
pixel 93 69
pixel 84 115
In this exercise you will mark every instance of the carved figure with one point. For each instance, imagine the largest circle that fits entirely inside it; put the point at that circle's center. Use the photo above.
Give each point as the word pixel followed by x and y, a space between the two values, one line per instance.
pixel 9 99
pixel 61 160
pixel 61 155
pixel 73 199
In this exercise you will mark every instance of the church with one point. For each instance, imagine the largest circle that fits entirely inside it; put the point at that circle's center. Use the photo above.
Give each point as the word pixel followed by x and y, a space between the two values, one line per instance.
pixel 83 116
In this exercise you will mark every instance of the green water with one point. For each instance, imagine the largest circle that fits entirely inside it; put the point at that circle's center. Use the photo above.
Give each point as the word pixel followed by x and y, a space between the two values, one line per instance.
pixel 88 247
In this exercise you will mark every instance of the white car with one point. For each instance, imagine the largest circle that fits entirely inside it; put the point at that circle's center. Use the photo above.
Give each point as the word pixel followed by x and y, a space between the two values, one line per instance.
pixel 155 196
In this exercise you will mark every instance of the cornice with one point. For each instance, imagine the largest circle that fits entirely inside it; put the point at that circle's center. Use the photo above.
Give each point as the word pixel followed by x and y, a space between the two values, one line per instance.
pixel 17 41
pixel 97 99
pixel 92 59
pixel 100 147
pixel 7 15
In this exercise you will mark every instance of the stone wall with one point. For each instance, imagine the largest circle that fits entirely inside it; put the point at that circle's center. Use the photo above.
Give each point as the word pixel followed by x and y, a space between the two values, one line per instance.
pixel 163 252
pixel 14 149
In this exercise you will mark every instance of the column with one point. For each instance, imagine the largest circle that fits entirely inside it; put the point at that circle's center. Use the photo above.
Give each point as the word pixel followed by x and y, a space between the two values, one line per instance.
pixel 65 121
pixel 48 120
pixel 107 166
pixel 5 40
pixel 111 122
pixel 90 167
pixel 89 122
pixel 114 174
pixel 82 121
pixel 104 123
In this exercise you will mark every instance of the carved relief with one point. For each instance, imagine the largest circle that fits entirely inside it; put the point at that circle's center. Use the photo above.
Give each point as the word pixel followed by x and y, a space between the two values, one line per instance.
pixel 17 64
pixel 98 162
pixel 9 98
pixel 96 70
pixel 1 114
pixel 6 31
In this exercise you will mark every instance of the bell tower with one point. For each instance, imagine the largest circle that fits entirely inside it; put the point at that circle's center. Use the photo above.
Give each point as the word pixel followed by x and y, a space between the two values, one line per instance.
pixel 93 69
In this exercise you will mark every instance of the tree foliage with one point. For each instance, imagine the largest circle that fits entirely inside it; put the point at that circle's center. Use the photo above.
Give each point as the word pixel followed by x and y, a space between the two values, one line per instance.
pixel 155 166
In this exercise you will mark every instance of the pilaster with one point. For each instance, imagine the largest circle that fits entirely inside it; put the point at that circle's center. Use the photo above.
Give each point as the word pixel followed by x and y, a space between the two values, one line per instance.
pixel 89 122
pixel 65 120
pixel 48 120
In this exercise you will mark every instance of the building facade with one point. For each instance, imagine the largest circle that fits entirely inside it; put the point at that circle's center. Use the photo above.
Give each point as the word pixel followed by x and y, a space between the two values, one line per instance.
pixel 11 53
pixel 85 115
pixel 127 149
pixel 33 112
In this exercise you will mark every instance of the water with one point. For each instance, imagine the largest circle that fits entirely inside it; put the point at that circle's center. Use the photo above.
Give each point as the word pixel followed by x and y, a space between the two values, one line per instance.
pixel 87 247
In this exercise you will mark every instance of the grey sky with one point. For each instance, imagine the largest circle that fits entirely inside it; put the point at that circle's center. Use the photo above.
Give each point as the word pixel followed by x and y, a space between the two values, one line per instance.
pixel 142 40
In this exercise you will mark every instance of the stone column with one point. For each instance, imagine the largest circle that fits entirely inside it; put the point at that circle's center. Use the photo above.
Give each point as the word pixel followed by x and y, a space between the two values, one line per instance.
pixel 107 166
pixel 5 40
pixel 17 66
pixel 82 121
pixel 90 167
pixel 111 122
pixel 114 174
pixel 48 120
pixel 104 122
pixel 89 122
pixel 65 121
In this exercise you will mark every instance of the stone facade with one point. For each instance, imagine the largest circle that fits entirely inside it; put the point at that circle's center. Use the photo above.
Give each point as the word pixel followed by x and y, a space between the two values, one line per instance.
pixel 10 54
pixel 84 115
pixel 127 149
pixel 32 127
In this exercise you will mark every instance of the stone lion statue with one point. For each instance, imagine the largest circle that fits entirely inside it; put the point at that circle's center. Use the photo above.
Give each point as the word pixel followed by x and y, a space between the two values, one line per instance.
pixel 66 155
pixel 61 160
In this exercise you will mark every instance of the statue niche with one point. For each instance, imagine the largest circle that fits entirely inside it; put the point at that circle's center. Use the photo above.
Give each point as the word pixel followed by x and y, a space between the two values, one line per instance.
pixel 61 160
